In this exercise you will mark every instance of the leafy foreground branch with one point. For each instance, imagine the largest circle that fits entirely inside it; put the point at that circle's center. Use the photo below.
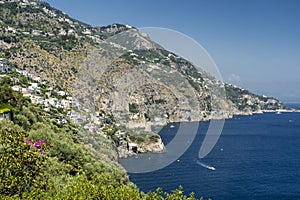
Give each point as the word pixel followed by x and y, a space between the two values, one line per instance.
pixel 25 175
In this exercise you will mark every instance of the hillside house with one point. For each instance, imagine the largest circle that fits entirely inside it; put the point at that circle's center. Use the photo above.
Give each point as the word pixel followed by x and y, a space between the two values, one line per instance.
pixel 61 93
pixel 53 102
pixel 26 93
pixel 132 147
pixel 37 32
pixel 37 100
pixel 3 66
pixel 6 112
pixel 4 69
pixel 17 88
pixel 66 104
pixel 37 79
pixel 5 115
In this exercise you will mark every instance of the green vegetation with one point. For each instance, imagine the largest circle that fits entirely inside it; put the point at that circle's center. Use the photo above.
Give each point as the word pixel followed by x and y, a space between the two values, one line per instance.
pixel 43 159
pixel 22 167
pixel 66 158
pixel 139 136
pixel 62 172
pixel 8 96
pixel 160 101
pixel 133 108
pixel 25 174
pixel 5 108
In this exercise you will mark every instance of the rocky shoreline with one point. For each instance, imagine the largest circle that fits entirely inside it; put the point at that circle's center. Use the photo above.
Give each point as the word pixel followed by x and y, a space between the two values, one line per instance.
pixel 124 151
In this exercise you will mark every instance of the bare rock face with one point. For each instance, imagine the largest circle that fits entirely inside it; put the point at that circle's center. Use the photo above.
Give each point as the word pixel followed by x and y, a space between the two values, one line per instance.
pixel 131 149
pixel 157 147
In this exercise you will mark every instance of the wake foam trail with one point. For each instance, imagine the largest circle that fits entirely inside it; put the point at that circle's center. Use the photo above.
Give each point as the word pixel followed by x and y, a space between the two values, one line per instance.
pixel 205 165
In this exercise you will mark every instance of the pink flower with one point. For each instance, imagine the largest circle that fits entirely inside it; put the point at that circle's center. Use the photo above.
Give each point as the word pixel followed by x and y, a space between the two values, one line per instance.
pixel 39 143
pixel 42 151
pixel 29 142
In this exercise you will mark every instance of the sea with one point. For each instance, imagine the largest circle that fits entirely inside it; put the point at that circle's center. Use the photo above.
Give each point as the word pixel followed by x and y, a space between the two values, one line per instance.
pixel 256 157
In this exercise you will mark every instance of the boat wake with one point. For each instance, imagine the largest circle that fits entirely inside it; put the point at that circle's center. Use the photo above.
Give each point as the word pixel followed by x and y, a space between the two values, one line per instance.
pixel 206 166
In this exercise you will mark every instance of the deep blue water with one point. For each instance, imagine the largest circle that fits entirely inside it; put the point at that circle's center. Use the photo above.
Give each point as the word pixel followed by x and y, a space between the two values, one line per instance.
pixel 256 157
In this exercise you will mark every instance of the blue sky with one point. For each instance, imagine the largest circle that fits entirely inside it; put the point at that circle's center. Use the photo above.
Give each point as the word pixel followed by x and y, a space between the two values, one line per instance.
pixel 255 43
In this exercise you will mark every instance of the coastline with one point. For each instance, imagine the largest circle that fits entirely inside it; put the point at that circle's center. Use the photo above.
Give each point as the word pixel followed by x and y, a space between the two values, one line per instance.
pixel 159 146
pixel 247 148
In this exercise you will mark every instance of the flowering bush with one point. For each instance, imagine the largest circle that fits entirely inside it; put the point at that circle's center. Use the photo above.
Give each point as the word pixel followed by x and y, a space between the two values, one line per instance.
pixel 38 145
pixel 22 167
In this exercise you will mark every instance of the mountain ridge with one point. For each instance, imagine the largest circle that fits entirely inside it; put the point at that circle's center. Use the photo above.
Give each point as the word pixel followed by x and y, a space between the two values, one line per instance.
pixel 116 69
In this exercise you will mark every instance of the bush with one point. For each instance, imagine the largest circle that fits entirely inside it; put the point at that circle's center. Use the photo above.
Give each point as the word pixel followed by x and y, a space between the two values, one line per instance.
pixel 21 166
pixel 133 108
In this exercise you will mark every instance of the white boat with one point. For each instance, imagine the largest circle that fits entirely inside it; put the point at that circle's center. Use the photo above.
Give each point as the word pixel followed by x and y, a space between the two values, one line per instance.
pixel 206 166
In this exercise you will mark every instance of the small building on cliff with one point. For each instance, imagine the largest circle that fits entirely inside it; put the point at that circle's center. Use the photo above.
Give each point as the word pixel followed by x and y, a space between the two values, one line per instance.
pixel 132 147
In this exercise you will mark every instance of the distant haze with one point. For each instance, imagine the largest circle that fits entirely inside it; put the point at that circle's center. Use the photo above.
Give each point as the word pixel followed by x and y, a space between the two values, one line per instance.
pixel 255 44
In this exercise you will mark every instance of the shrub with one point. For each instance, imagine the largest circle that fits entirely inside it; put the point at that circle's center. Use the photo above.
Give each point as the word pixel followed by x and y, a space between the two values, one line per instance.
pixel 133 108
pixel 21 166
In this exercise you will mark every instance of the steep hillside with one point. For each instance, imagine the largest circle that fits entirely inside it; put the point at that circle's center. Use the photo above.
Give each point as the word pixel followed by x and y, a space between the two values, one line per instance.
pixel 115 70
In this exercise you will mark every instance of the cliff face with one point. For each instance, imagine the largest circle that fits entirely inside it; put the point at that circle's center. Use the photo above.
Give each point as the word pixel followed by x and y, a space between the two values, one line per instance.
pixel 131 149
pixel 142 92
pixel 117 70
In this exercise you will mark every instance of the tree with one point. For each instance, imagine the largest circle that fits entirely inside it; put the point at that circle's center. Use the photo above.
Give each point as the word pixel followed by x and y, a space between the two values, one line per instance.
pixel 8 96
